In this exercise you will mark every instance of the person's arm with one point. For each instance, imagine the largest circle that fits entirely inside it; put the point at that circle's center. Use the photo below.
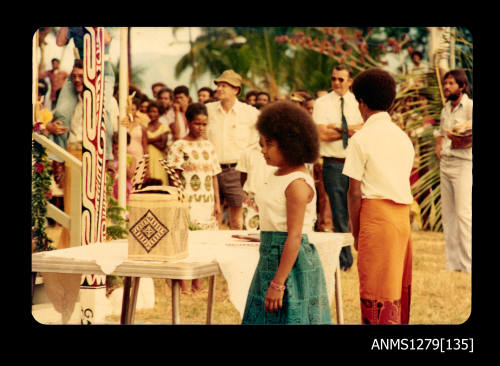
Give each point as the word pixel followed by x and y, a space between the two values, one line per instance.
pixel 354 206
pixel 329 133
pixel 144 140
pixel 243 178
pixel 242 166
pixel 439 146
pixel 62 36
pixel 160 142
pixel 439 134
pixel 217 208
pixel 175 126
pixel 56 128
pixel 179 122
pixel 352 129
pixel 131 167
pixel 298 194
pixel 326 130
pixel 107 37
pixel 152 140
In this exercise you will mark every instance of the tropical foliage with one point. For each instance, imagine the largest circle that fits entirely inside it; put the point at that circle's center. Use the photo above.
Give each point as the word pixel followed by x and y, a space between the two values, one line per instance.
pixel 41 193
pixel 302 58
pixel 116 227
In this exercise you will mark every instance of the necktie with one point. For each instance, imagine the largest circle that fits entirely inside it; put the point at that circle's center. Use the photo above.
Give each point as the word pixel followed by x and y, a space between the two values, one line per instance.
pixel 345 134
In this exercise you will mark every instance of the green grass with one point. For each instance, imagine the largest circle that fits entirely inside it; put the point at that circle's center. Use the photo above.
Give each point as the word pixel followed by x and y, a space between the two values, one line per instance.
pixel 438 296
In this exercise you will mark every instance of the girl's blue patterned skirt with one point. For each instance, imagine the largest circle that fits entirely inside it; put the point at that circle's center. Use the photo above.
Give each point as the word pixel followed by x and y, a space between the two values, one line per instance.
pixel 305 300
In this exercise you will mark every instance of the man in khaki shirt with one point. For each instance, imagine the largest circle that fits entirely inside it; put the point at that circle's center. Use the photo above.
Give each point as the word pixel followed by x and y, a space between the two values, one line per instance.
pixel 231 128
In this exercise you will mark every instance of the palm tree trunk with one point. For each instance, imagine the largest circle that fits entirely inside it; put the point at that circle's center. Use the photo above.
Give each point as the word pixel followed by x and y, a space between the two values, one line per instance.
pixel 194 76
pixel 270 74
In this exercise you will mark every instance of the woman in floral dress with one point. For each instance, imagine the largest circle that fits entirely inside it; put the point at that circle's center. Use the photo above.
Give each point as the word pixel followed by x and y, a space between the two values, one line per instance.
pixel 194 160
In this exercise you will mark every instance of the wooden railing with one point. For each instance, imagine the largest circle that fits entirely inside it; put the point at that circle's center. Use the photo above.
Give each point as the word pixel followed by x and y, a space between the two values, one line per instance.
pixel 73 221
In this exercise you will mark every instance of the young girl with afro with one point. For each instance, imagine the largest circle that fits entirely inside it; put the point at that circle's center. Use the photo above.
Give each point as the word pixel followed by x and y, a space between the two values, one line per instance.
pixel 288 286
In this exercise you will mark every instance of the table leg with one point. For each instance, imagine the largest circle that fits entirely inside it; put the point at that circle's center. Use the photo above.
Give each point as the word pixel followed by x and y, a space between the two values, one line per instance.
pixel 338 296
pixel 129 301
pixel 211 298
pixel 176 290
pixel 125 300
pixel 133 299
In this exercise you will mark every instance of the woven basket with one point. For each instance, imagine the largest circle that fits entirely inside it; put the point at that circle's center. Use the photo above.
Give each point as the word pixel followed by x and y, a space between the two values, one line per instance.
pixel 464 141
pixel 159 225
pixel 462 134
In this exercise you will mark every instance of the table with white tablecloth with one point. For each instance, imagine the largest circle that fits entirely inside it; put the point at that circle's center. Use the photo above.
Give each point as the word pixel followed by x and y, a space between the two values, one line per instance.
pixel 210 253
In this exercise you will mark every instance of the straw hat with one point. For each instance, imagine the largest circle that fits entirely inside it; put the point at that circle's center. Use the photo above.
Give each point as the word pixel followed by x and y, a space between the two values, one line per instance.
pixel 230 77
pixel 296 97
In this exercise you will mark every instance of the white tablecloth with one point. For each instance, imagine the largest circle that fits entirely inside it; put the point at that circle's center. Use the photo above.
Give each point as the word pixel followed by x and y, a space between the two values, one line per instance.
pixel 236 258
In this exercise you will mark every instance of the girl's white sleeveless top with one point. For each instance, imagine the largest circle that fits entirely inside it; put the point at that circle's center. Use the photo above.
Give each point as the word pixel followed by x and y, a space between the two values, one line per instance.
pixel 271 200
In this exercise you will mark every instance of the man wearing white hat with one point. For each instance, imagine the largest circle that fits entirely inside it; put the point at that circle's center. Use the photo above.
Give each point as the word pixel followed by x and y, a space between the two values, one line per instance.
pixel 231 128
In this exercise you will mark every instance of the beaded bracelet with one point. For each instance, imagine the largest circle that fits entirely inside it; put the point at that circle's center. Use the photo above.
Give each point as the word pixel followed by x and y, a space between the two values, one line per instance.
pixel 277 287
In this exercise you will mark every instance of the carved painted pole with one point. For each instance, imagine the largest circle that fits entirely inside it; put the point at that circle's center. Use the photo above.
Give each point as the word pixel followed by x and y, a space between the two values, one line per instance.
pixel 122 130
pixel 93 287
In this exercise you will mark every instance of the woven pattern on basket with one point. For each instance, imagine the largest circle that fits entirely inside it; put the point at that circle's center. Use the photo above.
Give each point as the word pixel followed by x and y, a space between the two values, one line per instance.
pixel 148 231
pixel 174 178
pixel 140 172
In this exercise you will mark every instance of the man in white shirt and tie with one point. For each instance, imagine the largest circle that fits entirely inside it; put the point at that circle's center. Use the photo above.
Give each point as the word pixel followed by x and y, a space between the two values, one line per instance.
pixel 338 118
pixel 231 128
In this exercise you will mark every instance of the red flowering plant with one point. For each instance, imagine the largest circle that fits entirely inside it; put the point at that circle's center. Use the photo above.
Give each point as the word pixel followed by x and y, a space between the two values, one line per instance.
pixel 41 193
pixel 347 46
pixel 37 127
pixel 415 102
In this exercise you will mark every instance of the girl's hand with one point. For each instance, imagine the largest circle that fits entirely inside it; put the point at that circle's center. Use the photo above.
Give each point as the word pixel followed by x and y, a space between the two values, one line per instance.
pixel 274 300
pixel 125 122
pixel 56 128
pixel 355 244
pixel 217 210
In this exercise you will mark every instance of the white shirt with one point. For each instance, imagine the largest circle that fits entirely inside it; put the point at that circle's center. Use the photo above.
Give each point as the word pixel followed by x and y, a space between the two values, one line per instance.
pixel 114 112
pixel 168 117
pixel 449 118
pixel 253 163
pixel 327 110
pixel 422 68
pixel 271 200
pixel 231 132
pixel 380 155
pixel 76 124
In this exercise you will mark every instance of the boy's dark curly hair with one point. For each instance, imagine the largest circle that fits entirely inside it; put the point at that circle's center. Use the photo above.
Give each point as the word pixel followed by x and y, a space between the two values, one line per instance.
pixel 376 87
pixel 293 129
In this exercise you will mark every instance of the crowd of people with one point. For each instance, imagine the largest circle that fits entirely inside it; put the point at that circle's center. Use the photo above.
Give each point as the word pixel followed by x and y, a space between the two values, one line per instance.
pixel 333 162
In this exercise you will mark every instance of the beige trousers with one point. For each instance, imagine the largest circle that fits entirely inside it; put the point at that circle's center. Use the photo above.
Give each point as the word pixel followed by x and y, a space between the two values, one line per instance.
pixel 456 210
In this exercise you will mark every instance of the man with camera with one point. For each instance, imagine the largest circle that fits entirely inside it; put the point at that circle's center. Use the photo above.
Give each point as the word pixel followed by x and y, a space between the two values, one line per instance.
pixel 454 149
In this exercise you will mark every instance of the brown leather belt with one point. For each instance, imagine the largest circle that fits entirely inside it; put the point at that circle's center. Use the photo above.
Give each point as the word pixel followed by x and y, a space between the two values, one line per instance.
pixel 227 166
pixel 338 160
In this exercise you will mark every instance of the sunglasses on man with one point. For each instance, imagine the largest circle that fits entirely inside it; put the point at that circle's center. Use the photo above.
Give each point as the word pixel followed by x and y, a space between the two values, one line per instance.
pixel 333 78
